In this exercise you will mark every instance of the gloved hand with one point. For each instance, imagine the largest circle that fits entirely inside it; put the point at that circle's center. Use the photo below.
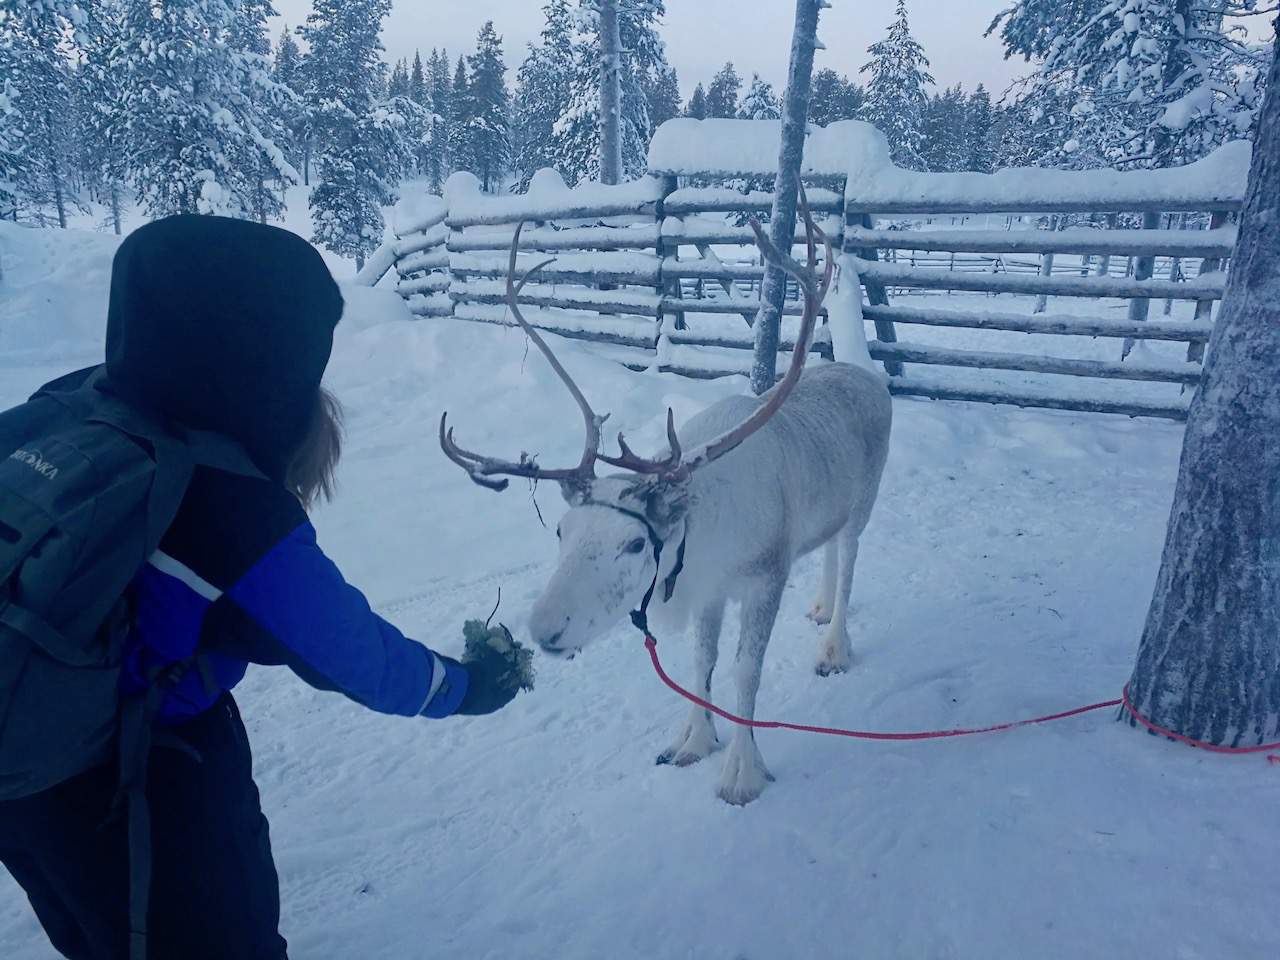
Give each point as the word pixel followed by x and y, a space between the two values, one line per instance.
pixel 497 669
pixel 486 690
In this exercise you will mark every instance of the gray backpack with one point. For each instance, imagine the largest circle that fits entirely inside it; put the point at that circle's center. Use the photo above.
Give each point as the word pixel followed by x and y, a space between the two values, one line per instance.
pixel 88 486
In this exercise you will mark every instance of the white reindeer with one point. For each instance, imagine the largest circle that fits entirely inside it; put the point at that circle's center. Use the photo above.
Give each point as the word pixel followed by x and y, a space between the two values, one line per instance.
pixel 765 483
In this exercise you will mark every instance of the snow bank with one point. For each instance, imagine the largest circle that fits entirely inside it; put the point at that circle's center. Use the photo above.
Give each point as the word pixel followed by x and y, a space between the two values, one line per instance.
pixel 54 286
pixel 736 148
pixel 1221 177
pixel 53 290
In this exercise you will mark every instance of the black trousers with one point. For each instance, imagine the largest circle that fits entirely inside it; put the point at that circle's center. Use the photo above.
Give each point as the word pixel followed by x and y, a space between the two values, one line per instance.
pixel 214 895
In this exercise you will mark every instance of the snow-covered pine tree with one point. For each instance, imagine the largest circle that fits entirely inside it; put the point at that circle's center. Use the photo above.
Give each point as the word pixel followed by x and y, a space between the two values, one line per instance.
pixel 287 70
pixel 944 144
pixel 276 109
pixel 195 117
pixel 365 150
pixel 418 82
pixel 577 132
pixel 398 82
pixel 460 111
pixel 722 95
pixel 1208 664
pixel 440 86
pixel 896 95
pixel 487 135
pixel 760 103
pixel 98 157
pixel 1154 82
pixel 542 93
pixel 662 92
pixel 980 147
pixel 835 97
pixel 39 111
pixel 697 107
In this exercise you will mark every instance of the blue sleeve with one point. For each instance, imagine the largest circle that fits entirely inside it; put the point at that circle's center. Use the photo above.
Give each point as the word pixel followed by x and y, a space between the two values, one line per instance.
pixel 326 628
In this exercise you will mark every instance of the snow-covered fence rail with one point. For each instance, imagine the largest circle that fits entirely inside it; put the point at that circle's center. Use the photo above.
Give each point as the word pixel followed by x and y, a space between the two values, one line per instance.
pixel 888 264
pixel 664 270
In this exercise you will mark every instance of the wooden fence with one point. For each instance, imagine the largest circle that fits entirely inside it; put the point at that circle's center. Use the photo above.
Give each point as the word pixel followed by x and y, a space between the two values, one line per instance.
pixel 663 271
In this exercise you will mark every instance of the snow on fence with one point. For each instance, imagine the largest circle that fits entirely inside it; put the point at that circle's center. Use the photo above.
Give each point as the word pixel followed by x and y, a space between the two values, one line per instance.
pixel 664 269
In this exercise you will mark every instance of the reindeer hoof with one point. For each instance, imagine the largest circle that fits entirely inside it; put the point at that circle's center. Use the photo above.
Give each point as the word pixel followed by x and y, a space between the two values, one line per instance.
pixel 826 668
pixel 745 776
pixel 820 614
pixel 694 744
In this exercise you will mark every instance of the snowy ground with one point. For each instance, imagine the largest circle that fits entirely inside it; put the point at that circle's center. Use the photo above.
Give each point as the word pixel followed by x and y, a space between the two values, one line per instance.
pixel 1005 573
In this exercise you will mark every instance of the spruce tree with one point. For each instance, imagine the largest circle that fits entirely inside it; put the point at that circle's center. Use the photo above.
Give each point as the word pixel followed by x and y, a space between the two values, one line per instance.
pixel 980 132
pixel 697 107
pixel 896 96
pixel 418 82
pixel 662 93
pixel 835 97
pixel 398 83
pixel 944 127
pixel 459 126
pixel 1152 82
pixel 577 132
pixel 760 103
pixel 40 98
pixel 487 134
pixel 722 95
pixel 542 93
pixel 365 150
pixel 276 108
pixel 287 70
pixel 440 86
pixel 195 119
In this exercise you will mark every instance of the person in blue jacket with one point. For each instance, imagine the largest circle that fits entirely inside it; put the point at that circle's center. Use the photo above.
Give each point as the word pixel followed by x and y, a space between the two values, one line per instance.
pixel 223 325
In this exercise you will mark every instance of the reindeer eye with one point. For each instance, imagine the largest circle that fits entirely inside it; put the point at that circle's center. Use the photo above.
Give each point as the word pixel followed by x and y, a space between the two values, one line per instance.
pixel 558 537
pixel 636 546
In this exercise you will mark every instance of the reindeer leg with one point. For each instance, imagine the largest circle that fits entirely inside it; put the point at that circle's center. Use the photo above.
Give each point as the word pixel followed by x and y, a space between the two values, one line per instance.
pixel 835 653
pixel 698 738
pixel 820 612
pixel 745 775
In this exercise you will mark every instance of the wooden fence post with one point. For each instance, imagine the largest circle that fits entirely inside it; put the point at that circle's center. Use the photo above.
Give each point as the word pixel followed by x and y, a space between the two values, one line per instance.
pixel 1143 269
pixel 876 293
pixel 1204 308
pixel 667 287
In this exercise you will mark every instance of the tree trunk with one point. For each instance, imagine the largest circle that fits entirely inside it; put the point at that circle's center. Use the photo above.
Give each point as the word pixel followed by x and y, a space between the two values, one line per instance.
pixel 782 226
pixel 610 93
pixel 1208 665
pixel 115 209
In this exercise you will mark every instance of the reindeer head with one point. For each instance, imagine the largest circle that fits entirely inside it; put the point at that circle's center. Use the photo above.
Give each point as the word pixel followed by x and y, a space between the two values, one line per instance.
pixel 612 538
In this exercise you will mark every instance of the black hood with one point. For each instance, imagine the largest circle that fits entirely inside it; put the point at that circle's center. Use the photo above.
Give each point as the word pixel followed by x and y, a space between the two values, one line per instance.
pixel 223 325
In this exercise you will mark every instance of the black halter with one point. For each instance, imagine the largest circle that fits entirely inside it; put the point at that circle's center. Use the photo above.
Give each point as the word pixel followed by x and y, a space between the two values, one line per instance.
pixel 640 616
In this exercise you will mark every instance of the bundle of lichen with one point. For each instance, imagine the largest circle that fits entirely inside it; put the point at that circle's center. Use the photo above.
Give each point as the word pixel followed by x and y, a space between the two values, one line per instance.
pixel 513 663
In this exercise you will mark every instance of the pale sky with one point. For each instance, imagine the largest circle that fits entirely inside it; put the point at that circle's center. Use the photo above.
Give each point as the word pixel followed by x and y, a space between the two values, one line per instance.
pixel 702 34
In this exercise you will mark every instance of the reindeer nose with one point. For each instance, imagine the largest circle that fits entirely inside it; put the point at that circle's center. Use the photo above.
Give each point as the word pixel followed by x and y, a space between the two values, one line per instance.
pixel 551 644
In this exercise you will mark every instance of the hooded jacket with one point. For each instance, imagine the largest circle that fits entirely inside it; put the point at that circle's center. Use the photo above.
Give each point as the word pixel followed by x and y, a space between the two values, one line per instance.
pixel 227 325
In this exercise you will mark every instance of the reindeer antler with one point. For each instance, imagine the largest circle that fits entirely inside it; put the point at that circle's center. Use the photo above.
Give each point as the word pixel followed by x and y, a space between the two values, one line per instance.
pixel 814 291
pixel 482 469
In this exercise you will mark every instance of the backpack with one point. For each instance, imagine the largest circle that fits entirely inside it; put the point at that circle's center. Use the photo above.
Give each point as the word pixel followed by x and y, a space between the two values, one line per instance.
pixel 89 484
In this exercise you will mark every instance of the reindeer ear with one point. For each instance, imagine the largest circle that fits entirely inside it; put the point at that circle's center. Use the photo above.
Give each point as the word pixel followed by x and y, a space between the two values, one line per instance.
pixel 667 503
pixel 575 492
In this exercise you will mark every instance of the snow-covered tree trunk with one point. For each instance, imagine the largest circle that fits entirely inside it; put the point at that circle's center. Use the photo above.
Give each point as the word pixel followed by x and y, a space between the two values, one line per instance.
pixel 610 93
pixel 1208 665
pixel 782 226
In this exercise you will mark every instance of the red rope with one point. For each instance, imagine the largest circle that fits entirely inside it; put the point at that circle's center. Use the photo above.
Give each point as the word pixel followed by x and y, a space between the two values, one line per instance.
pixel 1192 741
pixel 652 646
